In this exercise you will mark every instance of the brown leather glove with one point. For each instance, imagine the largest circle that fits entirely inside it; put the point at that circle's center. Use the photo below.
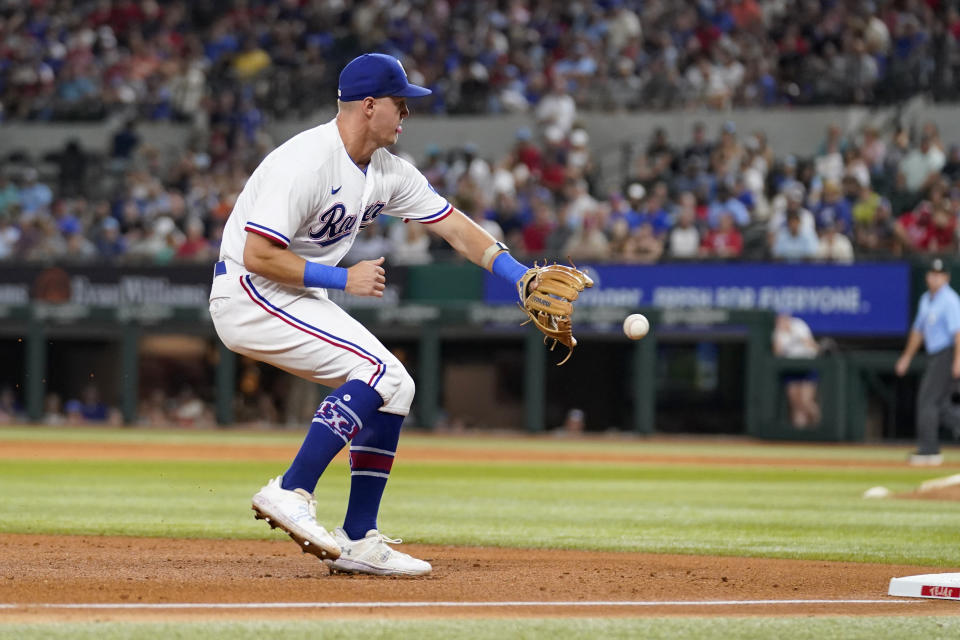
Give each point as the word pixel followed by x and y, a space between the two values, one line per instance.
pixel 546 295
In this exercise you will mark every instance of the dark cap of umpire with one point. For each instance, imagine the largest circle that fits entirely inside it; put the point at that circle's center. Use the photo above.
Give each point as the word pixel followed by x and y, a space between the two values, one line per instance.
pixel 937 266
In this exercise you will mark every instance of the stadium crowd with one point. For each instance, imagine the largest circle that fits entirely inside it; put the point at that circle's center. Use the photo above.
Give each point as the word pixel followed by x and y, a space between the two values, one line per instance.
pixel 716 195
pixel 225 68
pixel 164 60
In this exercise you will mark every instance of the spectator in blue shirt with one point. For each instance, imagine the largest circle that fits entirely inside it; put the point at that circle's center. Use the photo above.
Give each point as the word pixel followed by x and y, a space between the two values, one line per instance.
pixel 794 242
pixel 937 327
pixel 34 195
pixel 91 407
pixel 109 241
pixel 726 202
pixel 834 210
pixel 654 211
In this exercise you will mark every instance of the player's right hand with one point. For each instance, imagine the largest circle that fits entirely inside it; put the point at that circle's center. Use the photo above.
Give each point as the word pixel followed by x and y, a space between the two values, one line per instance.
pixel 367 278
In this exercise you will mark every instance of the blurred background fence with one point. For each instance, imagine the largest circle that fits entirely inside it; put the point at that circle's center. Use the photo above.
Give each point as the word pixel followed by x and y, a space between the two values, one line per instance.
pixel 135 345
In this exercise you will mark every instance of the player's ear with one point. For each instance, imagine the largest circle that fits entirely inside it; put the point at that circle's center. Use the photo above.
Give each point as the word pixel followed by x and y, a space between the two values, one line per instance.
pixel 367 104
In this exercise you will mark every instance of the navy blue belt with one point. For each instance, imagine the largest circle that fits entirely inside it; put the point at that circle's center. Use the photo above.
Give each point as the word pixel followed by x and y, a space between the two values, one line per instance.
pixel 220 269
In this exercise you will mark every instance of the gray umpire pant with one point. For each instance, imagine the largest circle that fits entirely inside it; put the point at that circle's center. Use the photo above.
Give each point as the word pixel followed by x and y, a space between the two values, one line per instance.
pixel 936 385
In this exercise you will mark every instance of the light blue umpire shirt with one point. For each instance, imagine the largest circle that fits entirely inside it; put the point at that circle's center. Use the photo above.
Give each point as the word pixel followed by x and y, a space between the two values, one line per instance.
pixel 938 318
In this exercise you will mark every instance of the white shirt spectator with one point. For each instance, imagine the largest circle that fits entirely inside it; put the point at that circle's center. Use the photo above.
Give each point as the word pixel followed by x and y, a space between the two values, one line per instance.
pixel 860 172
pixel 795 340
pixel 621 27
pixel 9 235
pixel 830 166
pixel 835 247
pixel 918 164
pixel 876 36
pixel 731 74
pixel 557 108
pixel 705 81
pixel 581 202
pixel 935 158
pixel 684 242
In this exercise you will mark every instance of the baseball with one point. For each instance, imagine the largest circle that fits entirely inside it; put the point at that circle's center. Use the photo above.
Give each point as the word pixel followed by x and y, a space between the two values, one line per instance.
pixel 636 326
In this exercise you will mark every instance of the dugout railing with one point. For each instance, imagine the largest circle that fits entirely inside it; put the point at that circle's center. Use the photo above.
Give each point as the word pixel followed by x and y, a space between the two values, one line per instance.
pixel 433 328
pixel 847 380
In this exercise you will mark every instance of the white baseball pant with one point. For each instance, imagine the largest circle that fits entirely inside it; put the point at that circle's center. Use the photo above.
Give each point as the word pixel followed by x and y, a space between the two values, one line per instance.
pixel 301 331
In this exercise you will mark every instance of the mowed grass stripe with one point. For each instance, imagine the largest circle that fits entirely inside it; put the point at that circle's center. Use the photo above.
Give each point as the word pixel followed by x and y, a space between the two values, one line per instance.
pixel 805 513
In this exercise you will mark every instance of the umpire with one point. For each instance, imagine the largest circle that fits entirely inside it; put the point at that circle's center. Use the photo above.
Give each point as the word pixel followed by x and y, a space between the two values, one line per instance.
pixel 937 325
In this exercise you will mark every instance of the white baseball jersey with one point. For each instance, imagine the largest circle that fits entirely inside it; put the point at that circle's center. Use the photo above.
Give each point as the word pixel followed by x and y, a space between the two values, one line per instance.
pixel 309 196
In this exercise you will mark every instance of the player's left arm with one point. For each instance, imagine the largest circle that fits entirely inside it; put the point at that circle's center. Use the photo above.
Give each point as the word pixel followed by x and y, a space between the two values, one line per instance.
pixel 546 293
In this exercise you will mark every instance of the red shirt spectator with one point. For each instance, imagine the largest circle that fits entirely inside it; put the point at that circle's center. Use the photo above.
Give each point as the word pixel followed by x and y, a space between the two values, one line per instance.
pixel 124 15
pixel 554 176
pixel 941 232
pixel 723 242
pixel 535 234
pixel 913 227
pixel 527 152
pixel 196 246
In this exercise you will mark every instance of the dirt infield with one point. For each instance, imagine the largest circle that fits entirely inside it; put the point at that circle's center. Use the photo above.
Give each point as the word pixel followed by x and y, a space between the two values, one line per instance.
pixel 268 578
pixel 131 571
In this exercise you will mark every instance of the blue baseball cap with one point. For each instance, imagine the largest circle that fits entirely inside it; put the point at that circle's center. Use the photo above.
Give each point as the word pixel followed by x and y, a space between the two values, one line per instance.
pixel 376 75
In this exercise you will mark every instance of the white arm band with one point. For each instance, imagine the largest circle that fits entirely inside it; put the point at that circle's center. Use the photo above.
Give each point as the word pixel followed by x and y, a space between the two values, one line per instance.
pixel 488 255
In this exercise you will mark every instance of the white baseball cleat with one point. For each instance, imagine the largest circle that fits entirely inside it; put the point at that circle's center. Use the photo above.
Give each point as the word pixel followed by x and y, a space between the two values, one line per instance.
pixel 371 555
pixel 296 513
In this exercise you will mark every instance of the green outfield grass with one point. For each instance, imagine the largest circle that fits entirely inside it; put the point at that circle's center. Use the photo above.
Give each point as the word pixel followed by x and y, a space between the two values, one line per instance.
pixel 805 512
pixel 849 628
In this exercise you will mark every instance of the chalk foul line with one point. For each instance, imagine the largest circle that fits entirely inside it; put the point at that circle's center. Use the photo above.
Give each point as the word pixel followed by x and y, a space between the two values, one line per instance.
pixel 425 605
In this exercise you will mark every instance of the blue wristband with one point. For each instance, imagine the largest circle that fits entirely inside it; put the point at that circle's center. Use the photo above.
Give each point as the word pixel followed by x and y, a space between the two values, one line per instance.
pixel 507 267
pixel 324 276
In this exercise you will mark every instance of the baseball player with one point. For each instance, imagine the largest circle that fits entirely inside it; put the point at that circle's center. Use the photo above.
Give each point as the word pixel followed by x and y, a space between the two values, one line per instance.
pixel 297 216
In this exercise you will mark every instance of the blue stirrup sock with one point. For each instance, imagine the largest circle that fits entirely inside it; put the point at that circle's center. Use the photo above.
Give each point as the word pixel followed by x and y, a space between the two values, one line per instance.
pixel 371 457
pixel 339 418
